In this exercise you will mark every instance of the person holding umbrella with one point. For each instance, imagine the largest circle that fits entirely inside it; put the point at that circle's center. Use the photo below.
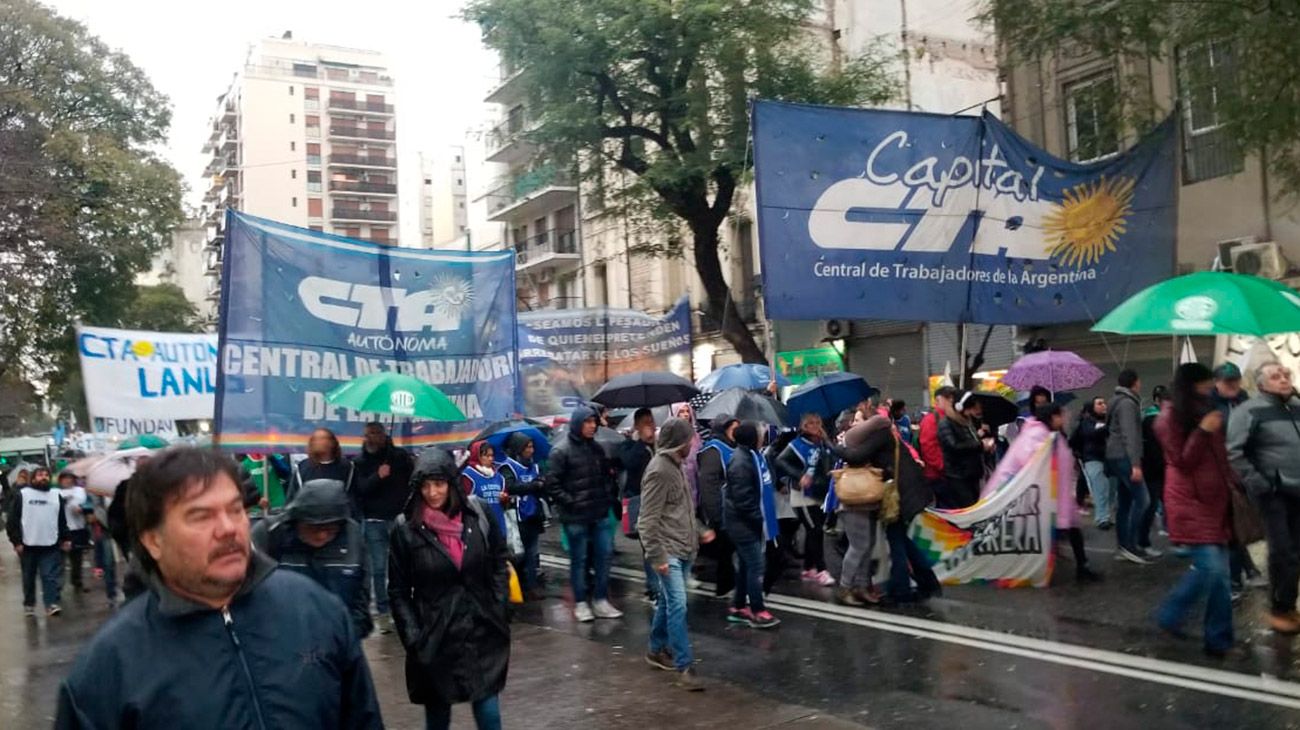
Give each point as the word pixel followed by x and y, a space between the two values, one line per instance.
pixel 383 476
pixel 963 452
pixel 481 479
pixel 523 479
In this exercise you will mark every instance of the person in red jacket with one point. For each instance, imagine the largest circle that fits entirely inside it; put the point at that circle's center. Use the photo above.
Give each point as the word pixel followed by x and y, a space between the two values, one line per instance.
pixel 1198 506
pixel 931 451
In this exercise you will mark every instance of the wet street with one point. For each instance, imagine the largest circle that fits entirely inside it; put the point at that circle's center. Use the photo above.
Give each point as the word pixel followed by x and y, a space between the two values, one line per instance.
pixel 1066 657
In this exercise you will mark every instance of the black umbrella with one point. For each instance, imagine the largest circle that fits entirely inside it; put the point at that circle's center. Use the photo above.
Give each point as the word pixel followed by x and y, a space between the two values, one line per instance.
pixel 635 390
pixel 998 409
pixel 746 406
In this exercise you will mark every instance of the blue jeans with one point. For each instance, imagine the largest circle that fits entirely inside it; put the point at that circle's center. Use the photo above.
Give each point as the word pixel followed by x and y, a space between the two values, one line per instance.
pixel 530 533
pixel 600 537
pixel 1102 490
pixel 1207 580
pixel 749 578
pixel 377 546
pixel 48 563
pixel 106 560
pixel 487 715
pixel 903 553
pixel 668 627
pixel 1131 504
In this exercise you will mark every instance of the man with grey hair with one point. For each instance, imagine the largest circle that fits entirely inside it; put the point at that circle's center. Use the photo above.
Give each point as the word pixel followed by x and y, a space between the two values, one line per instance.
pixel 1264 447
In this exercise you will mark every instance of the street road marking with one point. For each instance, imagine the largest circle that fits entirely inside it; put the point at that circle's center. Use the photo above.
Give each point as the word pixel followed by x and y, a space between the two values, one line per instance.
pixel 1264 688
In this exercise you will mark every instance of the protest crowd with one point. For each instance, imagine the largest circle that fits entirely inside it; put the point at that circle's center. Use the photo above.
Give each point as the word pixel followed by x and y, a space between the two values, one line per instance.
pixel 281 556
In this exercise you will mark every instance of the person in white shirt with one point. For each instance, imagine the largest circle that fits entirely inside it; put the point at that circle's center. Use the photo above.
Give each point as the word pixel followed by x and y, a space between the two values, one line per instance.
pixel 37 529
pixel 75 503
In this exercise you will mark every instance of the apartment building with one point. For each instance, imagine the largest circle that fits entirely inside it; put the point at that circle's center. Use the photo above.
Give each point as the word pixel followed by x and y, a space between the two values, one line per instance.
pixel 1228 212
pixel 305 134
pixel 182 263
pixel 444 212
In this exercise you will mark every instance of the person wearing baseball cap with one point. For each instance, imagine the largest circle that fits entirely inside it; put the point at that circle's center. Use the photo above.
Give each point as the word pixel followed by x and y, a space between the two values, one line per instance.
pixel 1228 393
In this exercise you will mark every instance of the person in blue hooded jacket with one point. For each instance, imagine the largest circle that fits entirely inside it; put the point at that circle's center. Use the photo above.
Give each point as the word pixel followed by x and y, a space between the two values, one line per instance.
pixel 523 480
pixel 221 638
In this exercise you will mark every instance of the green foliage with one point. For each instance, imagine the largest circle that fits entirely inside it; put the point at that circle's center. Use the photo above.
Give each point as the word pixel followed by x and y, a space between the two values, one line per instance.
pixel 660 90
pixel 85 202
pixel 160 308
pixel 1257 93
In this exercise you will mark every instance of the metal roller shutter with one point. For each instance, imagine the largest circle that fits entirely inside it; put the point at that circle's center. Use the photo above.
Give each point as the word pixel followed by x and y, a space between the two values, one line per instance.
pixel 869 356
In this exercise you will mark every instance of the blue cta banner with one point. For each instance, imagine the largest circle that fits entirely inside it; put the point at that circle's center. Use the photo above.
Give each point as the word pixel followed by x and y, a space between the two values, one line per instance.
pixel 568 354
pixel 303 312
pixel 874 214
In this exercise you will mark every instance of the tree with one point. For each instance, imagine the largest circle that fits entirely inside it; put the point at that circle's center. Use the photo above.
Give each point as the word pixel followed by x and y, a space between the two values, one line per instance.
pixel 1255 82
pixel 160 308
pixel 660 90
pixel 85 202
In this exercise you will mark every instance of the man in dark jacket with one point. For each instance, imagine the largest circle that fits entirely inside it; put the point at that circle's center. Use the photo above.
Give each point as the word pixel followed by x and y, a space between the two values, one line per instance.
pixel 315 537
pixel 221 639
pixel 712 477
pixel 38 530
pixel 1264 448
pixel 671 534
pixel 1124 463
pixel 633 455
pixel 383 475
pixel 580 483
pixel 1228 393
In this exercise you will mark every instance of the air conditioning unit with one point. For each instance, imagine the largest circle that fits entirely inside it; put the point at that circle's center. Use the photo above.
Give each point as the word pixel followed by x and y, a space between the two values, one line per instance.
pixel 1224 261
pixel 835 329
pixel 1260 259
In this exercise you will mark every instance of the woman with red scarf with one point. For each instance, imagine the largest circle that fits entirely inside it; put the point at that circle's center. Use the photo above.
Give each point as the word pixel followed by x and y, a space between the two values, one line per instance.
pixel 448 584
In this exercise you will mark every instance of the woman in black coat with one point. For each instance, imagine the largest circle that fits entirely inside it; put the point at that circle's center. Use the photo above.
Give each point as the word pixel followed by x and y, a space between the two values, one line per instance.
pixel 448 584
pixel 874 443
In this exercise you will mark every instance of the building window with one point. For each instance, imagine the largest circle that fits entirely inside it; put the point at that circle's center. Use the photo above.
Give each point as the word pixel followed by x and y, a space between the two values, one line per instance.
pixel 460 181
pixel 458 158
pixel 1092 119
pixel 1206 73
pixel 315 208
pixel 292 118
pixel 311 92
pixel 294 202
pixel 313 153
pixel 601 286
pixel 290 89
pixel 293 146
pixel 427 181
pixel 293 174
pixel 313 182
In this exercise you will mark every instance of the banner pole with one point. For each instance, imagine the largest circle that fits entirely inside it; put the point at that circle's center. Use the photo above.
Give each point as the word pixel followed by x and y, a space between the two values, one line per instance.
pixel 962 354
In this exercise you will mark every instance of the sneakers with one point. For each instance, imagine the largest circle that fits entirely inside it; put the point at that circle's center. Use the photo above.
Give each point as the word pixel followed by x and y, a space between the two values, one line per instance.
pixel 688 680
pixel 29 611
pixel 660 660
pixel 604 609
pixel 826 579
pixel 740 616
pixel 848 597
pixel 1285 623
pixel 1105 525
pixel 1132 557
pixel 1150 552
pixel 809 575
pixel 764 620
pixel 582 612
pixel 384 622
pixel 53 610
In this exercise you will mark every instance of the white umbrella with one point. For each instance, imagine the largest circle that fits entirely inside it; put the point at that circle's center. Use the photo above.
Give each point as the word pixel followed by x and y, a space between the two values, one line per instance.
pixel 102 474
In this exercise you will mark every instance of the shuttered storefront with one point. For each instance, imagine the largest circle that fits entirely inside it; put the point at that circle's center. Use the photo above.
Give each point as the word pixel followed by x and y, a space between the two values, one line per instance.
pixel 872 345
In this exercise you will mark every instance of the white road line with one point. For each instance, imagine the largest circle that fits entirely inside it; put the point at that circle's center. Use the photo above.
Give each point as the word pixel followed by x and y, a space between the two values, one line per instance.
pixel 1264 689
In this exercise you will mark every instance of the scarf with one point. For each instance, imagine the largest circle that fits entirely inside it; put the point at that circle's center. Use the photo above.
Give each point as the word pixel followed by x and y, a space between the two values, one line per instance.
pixel 448 530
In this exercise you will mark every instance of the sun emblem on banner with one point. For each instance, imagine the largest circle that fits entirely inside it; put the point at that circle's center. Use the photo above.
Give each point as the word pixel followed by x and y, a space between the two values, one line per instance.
pixel 453 295
pixel 1084 227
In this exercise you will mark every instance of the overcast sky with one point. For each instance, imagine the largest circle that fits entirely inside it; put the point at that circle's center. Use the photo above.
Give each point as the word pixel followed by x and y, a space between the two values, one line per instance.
pixel 191 50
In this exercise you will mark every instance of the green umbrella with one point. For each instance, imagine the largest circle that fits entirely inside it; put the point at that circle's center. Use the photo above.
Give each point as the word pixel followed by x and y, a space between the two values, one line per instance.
pixel 1207 303
pixel 400 395
pixel 145 440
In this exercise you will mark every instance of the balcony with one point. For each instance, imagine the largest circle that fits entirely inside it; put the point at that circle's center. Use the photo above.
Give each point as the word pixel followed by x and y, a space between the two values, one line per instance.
pixel 341 213
pixel 346 160
pixel 214 259
pixel 510 89
pixel 531 196
pixel 507 142
pixel 372 107
pixel 554 249
pixel 351 132
pixel 366 77
pixel 350 186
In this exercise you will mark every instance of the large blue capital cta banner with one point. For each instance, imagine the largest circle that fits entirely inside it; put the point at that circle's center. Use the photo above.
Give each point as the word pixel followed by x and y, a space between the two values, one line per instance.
pixel 880 214
pixel 303 312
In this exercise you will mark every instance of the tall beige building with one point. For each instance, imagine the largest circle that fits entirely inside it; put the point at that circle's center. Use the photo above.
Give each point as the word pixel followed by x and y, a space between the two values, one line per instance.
pixel 444 213
pixel 306 135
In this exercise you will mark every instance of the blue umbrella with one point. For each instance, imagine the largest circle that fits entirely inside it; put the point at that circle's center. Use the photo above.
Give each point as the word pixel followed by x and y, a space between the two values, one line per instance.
pixel 829 394
pixel 748 376
pixel 497 434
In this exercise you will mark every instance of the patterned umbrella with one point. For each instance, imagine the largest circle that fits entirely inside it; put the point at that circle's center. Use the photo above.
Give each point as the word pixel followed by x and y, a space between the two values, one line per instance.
pixel 1055 370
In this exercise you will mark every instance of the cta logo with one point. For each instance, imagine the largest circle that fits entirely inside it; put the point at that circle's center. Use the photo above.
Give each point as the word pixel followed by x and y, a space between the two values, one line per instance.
pixel 439 308
pixel 402 402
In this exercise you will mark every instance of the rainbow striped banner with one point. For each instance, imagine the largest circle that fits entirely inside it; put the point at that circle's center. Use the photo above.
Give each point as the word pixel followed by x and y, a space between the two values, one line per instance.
pixel 1005 539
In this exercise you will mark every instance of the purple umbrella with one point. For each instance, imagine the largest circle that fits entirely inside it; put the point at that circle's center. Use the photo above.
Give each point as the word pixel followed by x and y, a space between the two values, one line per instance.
pixel 1055 370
